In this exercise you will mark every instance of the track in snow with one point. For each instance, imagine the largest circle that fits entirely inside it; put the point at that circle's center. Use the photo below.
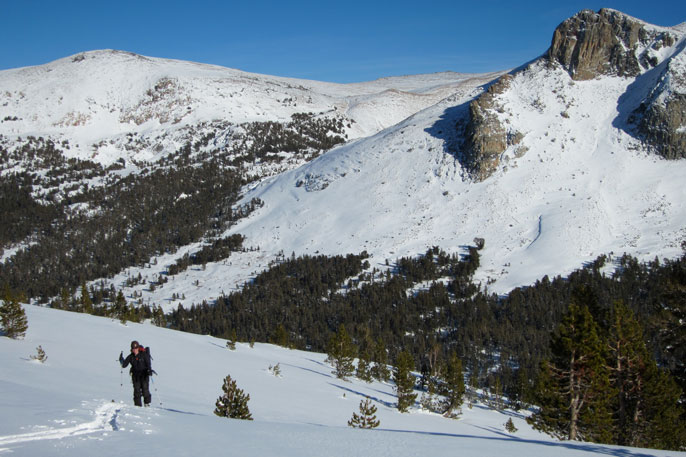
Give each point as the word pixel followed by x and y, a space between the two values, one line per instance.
pixel 105 419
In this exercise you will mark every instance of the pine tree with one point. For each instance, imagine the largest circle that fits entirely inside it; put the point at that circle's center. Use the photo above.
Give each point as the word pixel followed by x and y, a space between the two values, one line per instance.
pixel 234 402
pixel 85 302
pixel 520 395
pixel 510 426
pixel 404 381
pixel 13 317
pixel 280 336
pixel 380 370
pixel 453 388
pixel 364 370
pixel 40 355
pixel 121 309
pixel 341 352
pixel 495 397
pixel 574 386
pixel 367 417
pixel 647 410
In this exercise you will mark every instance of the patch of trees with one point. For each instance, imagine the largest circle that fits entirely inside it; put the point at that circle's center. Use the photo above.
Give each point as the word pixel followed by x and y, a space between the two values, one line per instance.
pixel 219 250
pixel 136 217
pixel 303 132
pixel 602 384
pixel 502 340
pixel 22 215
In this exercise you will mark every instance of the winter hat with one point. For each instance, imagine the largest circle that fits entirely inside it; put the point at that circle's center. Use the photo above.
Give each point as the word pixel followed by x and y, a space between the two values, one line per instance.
pixel 134 344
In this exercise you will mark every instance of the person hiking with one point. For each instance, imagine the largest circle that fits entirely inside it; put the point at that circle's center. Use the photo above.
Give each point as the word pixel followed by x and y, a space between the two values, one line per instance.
pixel 141 371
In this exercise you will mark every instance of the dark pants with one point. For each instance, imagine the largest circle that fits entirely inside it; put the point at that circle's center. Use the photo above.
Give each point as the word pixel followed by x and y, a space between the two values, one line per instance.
pixel 141 388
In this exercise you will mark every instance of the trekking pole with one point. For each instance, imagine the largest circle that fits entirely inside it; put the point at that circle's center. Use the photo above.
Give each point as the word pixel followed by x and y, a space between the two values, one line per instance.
pixel 121 379
pixel 154 386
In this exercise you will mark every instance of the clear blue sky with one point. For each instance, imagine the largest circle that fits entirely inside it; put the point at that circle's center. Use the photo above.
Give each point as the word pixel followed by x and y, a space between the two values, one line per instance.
pixel 343 41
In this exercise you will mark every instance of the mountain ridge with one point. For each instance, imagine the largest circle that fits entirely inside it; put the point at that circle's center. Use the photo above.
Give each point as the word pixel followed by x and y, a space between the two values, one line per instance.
pixel 570 179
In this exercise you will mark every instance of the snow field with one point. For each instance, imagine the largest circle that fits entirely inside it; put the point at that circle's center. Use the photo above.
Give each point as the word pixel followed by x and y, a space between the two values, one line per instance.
pixel 65 405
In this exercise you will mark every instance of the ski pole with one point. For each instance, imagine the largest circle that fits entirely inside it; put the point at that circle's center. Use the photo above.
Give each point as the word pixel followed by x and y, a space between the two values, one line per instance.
pixel 157 394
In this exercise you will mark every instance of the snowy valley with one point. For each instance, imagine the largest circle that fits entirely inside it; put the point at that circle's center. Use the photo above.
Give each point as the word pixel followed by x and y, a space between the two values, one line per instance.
pixel 171 192
pixel 75 404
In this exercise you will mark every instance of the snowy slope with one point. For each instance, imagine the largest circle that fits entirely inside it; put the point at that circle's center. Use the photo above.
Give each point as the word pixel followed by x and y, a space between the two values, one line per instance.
pixel 583 187
pixel 578 185
pixel 95 99
pixel 78 402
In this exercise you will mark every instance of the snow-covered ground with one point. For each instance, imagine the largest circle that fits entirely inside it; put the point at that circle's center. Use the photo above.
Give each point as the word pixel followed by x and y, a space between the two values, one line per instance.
pixel 95 99
pixel 78 403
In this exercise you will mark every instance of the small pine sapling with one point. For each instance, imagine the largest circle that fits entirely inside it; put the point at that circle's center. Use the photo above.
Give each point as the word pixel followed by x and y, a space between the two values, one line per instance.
pixel 40 355
pixel 234 402
pixel 510 426
pixel 367 417
pixel 275 370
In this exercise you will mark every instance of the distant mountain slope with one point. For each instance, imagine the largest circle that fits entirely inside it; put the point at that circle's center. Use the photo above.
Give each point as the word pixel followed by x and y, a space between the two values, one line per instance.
pixel 573 178
pixel 96 100
pixel 553 164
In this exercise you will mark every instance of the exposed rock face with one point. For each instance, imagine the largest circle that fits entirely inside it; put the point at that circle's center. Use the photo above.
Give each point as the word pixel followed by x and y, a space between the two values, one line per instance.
pixel 661 118
pixel 485 137
pixel 589 45
pixel 603 43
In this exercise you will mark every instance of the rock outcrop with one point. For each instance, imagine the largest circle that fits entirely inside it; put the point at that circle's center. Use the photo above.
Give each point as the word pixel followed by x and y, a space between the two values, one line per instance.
pixel 661 118
pixel 590 45
pixel 485 136
pixel 608 42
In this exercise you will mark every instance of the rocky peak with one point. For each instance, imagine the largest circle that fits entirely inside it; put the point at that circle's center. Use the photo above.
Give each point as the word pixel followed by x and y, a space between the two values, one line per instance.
pixel 604 43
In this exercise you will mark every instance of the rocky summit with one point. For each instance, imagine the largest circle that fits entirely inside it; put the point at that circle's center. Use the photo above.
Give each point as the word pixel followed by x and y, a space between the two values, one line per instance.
pixel 588 46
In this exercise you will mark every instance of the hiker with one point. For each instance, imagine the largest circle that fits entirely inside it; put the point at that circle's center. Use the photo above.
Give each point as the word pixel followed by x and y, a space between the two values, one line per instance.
pixel 141 371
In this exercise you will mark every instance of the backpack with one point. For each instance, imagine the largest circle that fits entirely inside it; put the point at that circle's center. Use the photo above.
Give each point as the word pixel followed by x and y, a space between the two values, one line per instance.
pixel 146 353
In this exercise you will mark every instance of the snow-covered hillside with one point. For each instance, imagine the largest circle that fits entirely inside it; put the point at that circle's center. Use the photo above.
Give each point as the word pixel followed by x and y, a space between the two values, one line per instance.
pixel 78 402
pixel 96 100
pixel 578 185
pixel 579 182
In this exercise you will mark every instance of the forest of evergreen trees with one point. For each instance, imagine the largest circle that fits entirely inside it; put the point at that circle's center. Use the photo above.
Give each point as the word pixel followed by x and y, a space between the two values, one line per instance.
pixel 503 340
pixel 77 221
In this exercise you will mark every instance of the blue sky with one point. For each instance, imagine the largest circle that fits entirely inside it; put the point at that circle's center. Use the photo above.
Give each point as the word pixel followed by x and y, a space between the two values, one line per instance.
pixel 344 41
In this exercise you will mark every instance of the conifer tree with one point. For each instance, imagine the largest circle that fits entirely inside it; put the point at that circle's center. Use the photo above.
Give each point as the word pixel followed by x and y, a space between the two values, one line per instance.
pixel 647 410
pixel 233 403
pixel 453 388
pixel 85 302
pixel 120 309
pixel 380 370
pixel 574 385
pixel 510 426
pixel 12 317
pixel 367 417
pixel 280 336
pixel 664 417
pixel 404 381
pixel 364 369
pixel 341 352
pixel 40 355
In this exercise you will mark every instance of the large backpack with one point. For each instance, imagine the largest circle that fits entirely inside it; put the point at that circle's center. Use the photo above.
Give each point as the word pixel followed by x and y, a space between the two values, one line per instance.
pixel 146 351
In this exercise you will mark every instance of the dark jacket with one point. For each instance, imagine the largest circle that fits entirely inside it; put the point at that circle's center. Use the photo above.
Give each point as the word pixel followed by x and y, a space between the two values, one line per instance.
pixel 140 364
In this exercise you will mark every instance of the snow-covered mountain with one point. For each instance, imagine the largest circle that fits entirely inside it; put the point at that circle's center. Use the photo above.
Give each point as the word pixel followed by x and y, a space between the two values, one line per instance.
pixel 554 164
pixel 96 100
pixel 578 182
pixel 78 403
